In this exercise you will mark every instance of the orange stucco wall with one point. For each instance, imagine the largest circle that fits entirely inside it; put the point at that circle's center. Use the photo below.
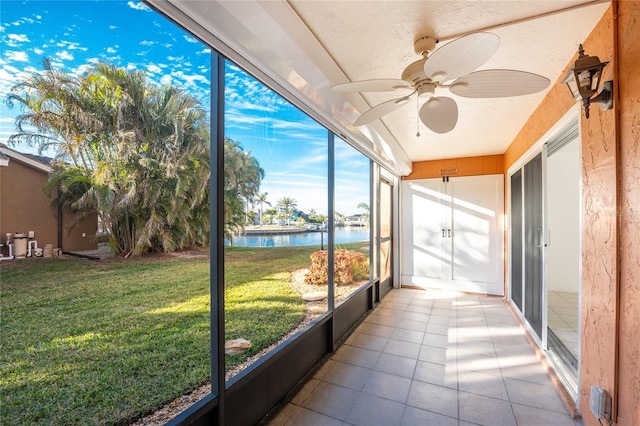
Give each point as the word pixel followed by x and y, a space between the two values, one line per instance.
pixel 25 207
pixel 599 237
pixel 628 60
pixel 467 166
pixel 610 323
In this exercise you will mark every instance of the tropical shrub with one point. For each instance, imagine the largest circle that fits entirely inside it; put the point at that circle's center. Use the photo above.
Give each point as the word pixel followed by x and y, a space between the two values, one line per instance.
pixel 350 266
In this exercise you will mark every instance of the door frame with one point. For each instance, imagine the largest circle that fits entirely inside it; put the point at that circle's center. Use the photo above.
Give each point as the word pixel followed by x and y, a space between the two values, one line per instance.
pixel 540 148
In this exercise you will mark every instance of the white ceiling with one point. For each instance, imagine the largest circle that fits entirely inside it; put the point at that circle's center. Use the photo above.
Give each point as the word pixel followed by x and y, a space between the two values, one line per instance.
pixel 306 46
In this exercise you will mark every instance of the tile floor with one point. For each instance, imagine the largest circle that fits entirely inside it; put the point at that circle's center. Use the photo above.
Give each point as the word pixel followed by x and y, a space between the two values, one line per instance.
pixel 563 318
pixel 431 358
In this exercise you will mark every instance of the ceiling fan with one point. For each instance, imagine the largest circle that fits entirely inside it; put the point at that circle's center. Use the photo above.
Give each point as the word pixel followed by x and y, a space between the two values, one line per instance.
pixel 451 67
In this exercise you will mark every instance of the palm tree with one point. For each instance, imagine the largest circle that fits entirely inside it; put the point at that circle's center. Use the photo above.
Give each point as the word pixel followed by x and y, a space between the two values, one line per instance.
pixel 270 214
pixel 134 153
pixel 261 199
pixel 365 216
pixel 242 177
pixel 288 205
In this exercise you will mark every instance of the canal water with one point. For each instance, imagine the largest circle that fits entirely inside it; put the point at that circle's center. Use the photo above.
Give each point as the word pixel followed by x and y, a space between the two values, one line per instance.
pixel 343 235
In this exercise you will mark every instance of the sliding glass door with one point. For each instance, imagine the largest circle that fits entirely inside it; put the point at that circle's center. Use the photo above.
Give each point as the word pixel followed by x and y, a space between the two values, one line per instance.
pixel 545 235
pixel 533 235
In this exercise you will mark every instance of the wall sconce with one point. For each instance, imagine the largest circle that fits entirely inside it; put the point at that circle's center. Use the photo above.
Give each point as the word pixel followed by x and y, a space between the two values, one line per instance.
pixel 583 81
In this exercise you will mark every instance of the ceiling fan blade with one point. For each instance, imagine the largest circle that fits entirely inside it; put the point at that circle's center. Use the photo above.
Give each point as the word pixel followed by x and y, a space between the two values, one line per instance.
pixel 380 110
pixel 439 114
pixel 377 85
pixel 498 84
pixel 461 56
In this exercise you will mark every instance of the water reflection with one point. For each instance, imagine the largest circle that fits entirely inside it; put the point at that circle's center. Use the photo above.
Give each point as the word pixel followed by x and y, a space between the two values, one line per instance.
pixel 342 235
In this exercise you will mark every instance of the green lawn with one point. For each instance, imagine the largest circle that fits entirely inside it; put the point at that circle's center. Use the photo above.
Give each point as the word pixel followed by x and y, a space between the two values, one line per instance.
pixel 86 342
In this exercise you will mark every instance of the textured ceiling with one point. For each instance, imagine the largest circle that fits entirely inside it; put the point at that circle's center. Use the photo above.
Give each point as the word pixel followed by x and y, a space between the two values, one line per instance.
pixel 307 46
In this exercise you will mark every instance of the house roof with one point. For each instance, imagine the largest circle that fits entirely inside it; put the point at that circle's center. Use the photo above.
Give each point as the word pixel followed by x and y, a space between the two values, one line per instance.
pixel 39 162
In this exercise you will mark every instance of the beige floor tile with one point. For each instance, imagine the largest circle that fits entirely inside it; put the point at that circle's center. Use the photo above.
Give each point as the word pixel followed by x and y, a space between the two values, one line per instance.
pixel 482 384
pixel 283 416
pixel 387 386
pixel 402 348
pixel 359 356
pixel 485 411
pixel 534 395
pixel 396 365
pixel 437 399
pixel 347 375
pixel 372 410
pixel 432 358
pixel 304 417
pixel 408 335
pixel 415 416
pixel 530 416
pixel 437 374
pixel 332 400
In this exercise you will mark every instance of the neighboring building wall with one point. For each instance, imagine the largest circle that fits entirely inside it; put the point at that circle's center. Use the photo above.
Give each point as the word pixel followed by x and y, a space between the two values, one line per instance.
pixel 25 207
pixel 72 239
pixel 610 352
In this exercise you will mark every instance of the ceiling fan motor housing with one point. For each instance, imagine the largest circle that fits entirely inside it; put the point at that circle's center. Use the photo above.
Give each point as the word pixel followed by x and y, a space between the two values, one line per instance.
pixel 424 45
pixel 414 73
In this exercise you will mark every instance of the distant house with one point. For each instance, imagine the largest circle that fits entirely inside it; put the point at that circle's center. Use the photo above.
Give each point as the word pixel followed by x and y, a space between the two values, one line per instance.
pixel 356 220
pixel 25 207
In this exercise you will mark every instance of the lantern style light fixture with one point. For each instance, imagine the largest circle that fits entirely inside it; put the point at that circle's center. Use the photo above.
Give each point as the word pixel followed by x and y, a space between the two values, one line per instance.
pixel 583 81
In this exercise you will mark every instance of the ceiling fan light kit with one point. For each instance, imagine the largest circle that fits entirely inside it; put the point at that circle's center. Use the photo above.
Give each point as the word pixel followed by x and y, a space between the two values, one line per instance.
pixel 454 61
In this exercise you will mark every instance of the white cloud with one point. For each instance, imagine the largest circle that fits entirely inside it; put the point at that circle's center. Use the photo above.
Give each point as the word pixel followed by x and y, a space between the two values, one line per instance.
pixel 154 68
pixel 166 79
pixel 71 45
pixel 113 27
pixel 64 56
pixel 190 79
pixel 21 38
pixel 12 55
pixel 111 50
pixel 190 39
pixel 203 51
pixel 138 6
pixel 38 51
pixel 147 43
pixel 131 66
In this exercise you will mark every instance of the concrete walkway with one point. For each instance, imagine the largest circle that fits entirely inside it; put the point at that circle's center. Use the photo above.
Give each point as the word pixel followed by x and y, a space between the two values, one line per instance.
pixel 431 358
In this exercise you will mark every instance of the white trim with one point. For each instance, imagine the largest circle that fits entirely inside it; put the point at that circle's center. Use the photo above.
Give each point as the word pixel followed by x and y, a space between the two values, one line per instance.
pixel 26 160
pixel 536 148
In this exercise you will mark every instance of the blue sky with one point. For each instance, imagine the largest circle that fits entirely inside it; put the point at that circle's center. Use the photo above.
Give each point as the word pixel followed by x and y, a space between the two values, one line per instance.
pixel 290 147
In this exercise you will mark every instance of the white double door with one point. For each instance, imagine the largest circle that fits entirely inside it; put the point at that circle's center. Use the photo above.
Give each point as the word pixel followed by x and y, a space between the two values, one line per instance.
pixel 452 233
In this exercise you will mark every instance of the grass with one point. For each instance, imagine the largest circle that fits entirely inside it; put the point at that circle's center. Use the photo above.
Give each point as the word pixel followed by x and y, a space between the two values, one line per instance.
pixel 105 342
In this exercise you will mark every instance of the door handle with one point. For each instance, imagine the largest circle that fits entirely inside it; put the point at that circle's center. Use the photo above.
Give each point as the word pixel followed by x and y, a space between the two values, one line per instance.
pixel 443 233
pixel 449 233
